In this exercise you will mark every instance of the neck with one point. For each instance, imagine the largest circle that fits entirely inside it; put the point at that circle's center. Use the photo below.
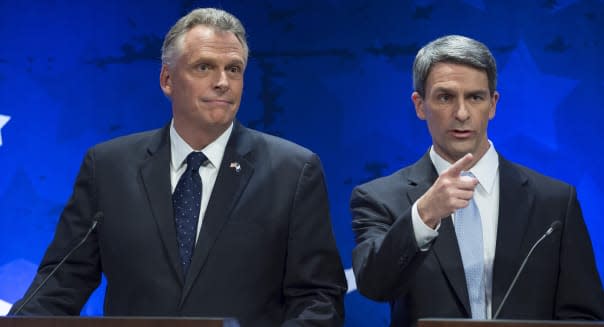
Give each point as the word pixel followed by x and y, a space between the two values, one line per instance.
pixel 198 137
pixel 477 155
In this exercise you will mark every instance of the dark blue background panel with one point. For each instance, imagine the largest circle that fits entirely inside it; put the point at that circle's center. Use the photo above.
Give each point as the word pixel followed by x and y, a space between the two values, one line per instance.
pixel 333 76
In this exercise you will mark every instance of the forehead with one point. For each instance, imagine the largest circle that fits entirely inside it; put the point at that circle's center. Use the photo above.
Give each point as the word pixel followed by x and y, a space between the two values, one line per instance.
pixel 446 75
pixel 204 40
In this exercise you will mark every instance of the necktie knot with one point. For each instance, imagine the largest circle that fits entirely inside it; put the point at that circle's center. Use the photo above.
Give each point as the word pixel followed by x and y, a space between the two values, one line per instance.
pixel 195 160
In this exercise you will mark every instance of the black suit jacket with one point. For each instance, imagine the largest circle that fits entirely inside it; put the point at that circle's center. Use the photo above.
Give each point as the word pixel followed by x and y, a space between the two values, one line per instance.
pixel 560 280
pixel 265 254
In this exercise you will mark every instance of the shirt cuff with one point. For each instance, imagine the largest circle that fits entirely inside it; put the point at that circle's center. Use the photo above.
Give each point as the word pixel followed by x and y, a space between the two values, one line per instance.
pixel 424 235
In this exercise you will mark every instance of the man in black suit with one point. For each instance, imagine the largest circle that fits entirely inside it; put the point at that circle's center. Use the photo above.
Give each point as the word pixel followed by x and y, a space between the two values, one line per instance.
pixel 410 250
pixel 256 205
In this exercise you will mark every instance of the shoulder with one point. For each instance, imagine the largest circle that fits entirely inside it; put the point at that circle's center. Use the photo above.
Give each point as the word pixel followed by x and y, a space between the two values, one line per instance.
pixel 128 146
pixel 266 147
pixel 419 173
pixel 385 183
pixel 130 139
pixel 277 144
pixel 387 189
pixel 545 187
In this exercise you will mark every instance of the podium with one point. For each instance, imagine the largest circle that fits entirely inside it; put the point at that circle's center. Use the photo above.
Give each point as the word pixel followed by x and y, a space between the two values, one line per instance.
pixel 505 323
pixel 116 322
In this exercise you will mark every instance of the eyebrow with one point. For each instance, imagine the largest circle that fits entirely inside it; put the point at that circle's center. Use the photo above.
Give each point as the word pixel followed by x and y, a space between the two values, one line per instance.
pixel 236 62
pixel 442 89
pixel 214 61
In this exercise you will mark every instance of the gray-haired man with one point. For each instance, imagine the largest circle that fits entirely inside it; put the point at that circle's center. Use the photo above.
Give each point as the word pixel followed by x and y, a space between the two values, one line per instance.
pixel 203 217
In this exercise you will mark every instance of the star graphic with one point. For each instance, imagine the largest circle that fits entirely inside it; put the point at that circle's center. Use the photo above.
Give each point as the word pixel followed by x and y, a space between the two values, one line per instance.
pixel 16 276
pixel 24 210
pixel 529 100
pixel 352 284
pixel 4 307
pixel 3 121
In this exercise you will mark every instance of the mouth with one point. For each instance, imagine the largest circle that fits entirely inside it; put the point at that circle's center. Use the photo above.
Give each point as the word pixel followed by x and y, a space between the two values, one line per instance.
pixel 461 133
pixel 220 102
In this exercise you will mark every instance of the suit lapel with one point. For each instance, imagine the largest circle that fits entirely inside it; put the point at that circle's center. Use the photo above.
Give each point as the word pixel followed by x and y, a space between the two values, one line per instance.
pixel 445 247
pixel 516 200
pixel 155 173
pixel 228 188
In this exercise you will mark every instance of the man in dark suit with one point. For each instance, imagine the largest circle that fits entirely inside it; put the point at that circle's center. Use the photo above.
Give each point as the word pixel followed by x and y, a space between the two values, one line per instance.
pixel 418 245
pixel 203 217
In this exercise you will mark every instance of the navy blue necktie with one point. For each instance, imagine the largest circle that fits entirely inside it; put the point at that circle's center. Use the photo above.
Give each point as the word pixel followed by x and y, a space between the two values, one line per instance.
pixel 186 202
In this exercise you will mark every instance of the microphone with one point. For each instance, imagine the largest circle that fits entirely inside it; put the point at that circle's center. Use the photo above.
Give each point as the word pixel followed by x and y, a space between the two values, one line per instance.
pixel 95 221
pixel 552 228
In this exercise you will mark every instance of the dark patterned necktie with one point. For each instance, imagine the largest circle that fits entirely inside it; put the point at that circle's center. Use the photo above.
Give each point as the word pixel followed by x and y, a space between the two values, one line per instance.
pixel 186 202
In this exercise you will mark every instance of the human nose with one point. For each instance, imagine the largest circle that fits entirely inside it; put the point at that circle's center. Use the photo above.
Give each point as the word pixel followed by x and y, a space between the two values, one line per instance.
pixel 462 113
pixel 222 81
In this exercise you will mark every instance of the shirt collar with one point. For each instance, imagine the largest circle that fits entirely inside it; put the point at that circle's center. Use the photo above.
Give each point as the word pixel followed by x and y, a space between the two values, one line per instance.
pixel 485 170
pixel 213 151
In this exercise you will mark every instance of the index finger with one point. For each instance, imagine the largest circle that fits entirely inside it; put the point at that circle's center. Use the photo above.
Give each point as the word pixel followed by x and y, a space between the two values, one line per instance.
pixel 460 165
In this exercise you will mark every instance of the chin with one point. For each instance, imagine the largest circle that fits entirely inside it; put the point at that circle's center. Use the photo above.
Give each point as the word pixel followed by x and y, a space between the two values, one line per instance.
pixel 220 117
pixel 220 124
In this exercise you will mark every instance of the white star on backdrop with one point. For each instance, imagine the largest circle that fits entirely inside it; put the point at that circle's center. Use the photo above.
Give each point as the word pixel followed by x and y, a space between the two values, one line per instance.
pixel 4 308
pixel 3 121
pixel 352 284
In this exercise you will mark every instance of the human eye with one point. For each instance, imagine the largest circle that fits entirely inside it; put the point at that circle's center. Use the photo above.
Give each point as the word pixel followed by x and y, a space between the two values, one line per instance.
pixel 235 69
pixel 444 97
pixel 203 67
pixel 477 97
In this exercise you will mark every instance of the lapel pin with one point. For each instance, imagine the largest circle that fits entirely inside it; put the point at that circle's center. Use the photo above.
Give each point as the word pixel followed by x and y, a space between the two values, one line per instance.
pixel 235 165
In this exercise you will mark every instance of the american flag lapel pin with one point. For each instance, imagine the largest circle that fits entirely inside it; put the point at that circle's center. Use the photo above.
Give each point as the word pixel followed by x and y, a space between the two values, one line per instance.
pixel 235 165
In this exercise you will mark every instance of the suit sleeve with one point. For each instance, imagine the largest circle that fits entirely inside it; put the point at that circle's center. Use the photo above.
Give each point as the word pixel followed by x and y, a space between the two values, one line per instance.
pixel 386 255
pixel 314 283
pixel 579 294
pixel 68 290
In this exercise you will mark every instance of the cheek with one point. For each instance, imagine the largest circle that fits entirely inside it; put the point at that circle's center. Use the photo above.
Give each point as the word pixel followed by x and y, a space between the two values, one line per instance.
pixel 437 120
pixel 237 88
pixel 488 115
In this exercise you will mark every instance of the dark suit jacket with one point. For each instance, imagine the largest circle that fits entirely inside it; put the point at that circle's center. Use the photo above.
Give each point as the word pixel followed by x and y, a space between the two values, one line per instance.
pixel 560 280
pixel 266 252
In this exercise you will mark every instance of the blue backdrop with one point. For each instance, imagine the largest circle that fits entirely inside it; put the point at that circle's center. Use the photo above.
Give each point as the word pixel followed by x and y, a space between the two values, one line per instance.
pixel 332 75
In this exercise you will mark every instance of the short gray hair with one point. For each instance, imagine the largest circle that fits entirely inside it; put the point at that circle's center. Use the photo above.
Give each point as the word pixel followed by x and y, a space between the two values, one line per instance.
pixel 455 49
pixel 211 17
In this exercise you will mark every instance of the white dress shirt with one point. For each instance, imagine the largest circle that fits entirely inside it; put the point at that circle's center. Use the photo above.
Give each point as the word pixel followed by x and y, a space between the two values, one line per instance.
pixel 486 195
pixel 208 173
